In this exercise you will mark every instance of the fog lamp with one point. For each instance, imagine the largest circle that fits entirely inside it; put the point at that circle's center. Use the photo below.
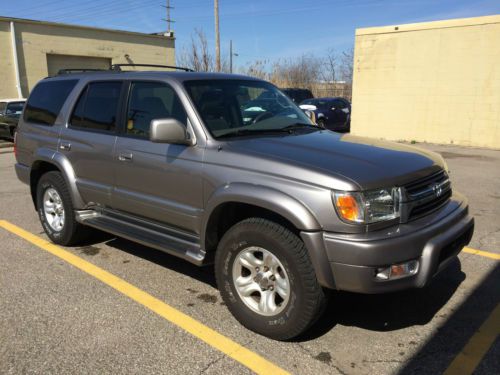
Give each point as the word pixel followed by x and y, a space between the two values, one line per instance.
pixel 398 271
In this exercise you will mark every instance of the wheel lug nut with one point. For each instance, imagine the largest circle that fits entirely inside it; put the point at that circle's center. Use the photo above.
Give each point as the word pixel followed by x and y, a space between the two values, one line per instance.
pixel 266 269
pixel 257 269
pixel 271 288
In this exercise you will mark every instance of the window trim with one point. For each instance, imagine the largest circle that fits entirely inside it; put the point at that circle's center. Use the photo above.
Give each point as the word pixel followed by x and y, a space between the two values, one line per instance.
pixel 122 132
pixel 118 108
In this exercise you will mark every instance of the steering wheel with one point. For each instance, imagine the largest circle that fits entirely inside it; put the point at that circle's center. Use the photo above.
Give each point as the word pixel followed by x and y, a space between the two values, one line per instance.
pixel 262 116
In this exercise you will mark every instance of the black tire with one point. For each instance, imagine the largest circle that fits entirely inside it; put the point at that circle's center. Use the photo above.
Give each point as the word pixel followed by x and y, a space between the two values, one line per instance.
pixel 72 231
pixel 307 299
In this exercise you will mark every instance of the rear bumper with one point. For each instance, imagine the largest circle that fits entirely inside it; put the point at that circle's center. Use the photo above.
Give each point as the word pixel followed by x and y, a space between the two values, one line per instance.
pixel 351 260
pixel 23 173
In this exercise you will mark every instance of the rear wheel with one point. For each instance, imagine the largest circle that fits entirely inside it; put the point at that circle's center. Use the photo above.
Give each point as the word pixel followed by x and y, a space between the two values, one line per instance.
pixel 56 212
pixel 266 279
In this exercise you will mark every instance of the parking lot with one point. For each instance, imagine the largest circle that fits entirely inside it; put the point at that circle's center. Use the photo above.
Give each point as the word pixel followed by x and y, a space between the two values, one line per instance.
pixel 112 306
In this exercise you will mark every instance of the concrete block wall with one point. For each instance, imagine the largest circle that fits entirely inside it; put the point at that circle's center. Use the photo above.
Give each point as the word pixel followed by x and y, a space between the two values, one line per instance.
pixel 433 82
pixel 35 40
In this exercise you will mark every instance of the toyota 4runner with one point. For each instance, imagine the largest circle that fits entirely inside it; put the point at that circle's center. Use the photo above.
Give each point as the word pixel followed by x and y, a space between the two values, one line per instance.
pixel 286 210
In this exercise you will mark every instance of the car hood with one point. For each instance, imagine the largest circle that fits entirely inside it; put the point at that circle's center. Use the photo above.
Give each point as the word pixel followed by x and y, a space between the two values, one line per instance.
pixel 366 162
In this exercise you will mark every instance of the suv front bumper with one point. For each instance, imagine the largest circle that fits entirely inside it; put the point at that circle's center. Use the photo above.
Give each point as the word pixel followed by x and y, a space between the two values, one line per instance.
pixel 350 261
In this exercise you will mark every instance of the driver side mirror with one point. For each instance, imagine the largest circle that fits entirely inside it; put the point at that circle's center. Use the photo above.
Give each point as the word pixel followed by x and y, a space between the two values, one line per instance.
pixel 169 130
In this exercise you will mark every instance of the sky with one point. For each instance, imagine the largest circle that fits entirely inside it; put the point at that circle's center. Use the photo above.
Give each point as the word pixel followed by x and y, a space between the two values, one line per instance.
pixel 260 29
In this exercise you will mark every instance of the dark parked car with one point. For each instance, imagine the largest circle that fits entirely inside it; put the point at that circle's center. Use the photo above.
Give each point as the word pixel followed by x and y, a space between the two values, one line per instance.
pixel 298 95
pixel 330 113
pixel 10 111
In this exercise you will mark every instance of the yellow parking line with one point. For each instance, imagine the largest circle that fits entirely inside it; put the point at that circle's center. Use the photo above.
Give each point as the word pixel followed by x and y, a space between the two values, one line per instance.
pixel 475 349
pixel 482 253
pixel 232 349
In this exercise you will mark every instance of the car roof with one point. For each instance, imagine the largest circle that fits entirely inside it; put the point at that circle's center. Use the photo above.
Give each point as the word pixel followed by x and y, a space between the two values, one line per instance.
pixel 178 76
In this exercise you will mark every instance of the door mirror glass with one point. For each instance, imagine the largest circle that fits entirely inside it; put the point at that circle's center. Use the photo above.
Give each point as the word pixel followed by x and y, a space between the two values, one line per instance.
pixel 169 130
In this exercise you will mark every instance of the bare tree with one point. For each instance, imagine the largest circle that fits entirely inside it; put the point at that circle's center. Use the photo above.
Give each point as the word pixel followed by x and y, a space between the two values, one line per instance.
pixel 257 69
pixel 197 55
pixel 347 63
pixel 303 71
pixel 330 66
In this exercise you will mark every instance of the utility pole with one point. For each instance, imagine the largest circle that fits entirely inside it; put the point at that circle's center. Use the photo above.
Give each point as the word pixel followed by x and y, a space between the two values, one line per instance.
pixel 231 54
pixel 169 21
pixel 217 36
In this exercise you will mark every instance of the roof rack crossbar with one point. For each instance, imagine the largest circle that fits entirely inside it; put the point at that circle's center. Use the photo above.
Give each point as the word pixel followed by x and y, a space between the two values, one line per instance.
pixel 119 66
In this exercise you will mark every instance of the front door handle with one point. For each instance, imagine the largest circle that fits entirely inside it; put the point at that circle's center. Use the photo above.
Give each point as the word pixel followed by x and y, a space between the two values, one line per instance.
pixel 65 146
pixel 125 157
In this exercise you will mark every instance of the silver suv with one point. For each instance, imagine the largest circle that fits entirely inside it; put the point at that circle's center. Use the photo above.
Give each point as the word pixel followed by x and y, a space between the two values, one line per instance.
pixel 226 169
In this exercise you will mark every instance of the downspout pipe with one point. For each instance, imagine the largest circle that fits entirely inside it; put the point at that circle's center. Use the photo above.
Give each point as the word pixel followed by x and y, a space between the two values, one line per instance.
pixel 16 61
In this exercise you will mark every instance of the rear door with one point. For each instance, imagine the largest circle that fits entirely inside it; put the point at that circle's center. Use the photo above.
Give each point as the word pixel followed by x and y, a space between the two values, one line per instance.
pixel 89 139
pixel 157 181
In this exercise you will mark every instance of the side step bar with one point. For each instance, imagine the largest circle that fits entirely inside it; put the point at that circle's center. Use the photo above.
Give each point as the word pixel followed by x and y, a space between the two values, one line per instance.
pixel 169 240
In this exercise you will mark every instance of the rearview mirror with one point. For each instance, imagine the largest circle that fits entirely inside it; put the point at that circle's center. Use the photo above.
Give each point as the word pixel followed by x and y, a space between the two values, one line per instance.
pixel 169 130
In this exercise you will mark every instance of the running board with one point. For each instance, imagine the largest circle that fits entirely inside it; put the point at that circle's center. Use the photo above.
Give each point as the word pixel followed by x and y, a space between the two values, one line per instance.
pixel 169 240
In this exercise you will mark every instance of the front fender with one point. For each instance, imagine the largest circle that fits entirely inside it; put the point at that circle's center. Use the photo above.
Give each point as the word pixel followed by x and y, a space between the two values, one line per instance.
pixel 262 196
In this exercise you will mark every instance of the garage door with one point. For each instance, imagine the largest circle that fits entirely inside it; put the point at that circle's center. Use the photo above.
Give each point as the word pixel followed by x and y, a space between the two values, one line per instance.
pixel 58 62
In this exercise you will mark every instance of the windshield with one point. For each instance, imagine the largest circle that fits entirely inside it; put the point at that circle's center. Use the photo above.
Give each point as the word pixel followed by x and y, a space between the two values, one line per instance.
pixel 240 107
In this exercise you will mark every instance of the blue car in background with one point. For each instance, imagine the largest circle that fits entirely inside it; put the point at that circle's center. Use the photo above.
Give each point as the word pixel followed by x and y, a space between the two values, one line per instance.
pixel 329 113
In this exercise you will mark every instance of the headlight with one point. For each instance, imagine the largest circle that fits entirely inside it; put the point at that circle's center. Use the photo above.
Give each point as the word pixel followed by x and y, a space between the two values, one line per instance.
pixel 368 206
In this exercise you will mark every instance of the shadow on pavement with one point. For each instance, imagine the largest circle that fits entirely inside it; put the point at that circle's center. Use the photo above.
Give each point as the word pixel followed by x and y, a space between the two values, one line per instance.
pixel 449 339
pixel 203 274
pixel 392 311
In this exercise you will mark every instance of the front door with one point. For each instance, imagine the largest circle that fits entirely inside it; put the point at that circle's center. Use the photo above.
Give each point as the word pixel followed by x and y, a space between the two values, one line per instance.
pixel 157 181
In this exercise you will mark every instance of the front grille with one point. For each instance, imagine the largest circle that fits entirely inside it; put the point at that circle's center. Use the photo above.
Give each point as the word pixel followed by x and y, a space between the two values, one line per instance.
pixel 427 194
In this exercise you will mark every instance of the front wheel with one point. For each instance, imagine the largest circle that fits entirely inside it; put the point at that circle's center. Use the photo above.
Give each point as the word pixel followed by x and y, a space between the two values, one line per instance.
pixel 266 279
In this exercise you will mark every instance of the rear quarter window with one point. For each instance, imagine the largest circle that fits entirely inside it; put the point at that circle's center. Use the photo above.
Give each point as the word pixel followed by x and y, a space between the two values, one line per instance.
pixel 46 100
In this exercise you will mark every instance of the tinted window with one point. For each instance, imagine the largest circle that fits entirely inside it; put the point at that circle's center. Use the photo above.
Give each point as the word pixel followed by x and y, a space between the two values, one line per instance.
pixel 14 108
pixel 340 104
pixel 149 101
pixel 46 101
pixel 97 106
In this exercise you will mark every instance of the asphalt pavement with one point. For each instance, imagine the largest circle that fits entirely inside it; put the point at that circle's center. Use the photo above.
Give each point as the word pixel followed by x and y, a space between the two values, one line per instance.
pixel 56 318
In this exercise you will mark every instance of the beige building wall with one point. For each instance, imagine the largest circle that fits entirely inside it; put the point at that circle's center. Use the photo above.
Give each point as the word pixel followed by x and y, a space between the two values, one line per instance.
pixel 7 74
pixel 35 40
pixel 429 82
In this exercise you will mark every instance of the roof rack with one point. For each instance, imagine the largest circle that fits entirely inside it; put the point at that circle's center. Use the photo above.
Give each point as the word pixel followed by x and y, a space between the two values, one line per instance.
pixel 78 70
pixel 117 67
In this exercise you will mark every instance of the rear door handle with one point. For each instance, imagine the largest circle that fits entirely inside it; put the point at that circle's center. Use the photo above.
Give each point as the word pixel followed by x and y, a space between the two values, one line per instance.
pixel 125 157
pixel 66 146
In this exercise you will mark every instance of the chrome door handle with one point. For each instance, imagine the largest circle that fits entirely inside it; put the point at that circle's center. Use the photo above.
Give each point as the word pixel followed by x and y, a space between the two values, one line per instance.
pixel 65 146
pixel 125 157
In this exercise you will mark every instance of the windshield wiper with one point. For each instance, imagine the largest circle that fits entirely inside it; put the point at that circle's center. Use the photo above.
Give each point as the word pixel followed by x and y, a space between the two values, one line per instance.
pixel 287 129
pixel 243 132
pixel 301 125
